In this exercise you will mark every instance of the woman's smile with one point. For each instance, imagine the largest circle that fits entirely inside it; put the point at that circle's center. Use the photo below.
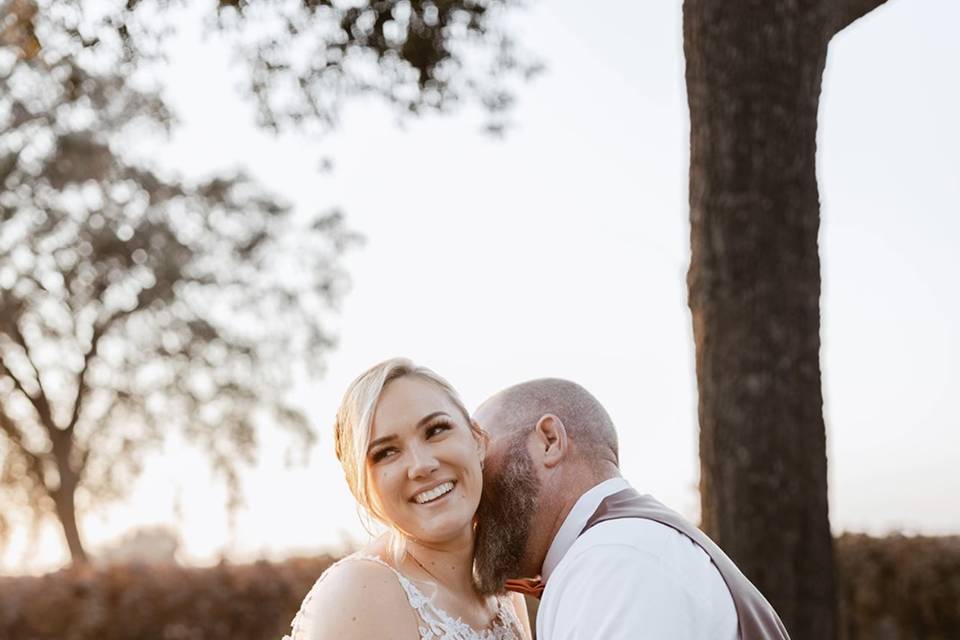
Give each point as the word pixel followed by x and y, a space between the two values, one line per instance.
pixel 431 496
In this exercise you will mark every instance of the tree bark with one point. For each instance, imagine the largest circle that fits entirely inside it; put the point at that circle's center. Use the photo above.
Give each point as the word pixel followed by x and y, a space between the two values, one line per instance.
pixel 64 499
pixel 64 496
pixel 754 71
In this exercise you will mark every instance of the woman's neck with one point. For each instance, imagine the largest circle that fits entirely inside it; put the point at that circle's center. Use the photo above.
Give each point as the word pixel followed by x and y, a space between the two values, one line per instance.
pixel 450 564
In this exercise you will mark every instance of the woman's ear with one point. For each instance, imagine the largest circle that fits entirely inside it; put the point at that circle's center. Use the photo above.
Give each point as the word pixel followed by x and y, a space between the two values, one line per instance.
pixel 552 437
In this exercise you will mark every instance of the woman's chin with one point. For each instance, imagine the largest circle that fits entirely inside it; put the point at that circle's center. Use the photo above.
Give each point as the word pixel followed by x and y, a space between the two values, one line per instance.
pixel 443 528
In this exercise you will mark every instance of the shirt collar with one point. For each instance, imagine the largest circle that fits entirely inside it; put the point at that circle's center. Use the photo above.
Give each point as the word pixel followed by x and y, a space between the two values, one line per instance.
pixel 575 521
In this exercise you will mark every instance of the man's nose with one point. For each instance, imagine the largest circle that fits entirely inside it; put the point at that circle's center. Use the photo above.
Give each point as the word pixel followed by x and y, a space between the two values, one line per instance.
pixel 422 462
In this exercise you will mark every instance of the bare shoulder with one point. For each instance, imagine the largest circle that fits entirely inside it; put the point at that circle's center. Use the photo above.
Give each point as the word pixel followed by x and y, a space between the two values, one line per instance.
pixel 360 599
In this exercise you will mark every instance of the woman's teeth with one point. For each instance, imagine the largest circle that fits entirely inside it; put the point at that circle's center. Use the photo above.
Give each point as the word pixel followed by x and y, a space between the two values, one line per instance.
pixel 434 493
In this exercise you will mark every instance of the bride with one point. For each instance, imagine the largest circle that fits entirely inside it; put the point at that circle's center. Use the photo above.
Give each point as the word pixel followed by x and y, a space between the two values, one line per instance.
pixel 413 461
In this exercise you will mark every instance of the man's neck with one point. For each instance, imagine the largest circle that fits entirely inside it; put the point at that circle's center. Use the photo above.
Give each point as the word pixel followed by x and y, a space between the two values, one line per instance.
pixel 567 494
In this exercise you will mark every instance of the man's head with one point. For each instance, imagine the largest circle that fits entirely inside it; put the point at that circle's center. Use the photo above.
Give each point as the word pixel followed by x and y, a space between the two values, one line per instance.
pixel 550 441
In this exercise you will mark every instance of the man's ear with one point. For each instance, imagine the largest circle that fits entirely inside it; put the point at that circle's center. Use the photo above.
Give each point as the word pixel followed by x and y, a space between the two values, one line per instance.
pixel 482 438
pixel 551 436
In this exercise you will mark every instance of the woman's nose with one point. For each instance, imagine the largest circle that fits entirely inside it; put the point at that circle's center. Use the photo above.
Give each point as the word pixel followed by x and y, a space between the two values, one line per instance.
pixel 422 463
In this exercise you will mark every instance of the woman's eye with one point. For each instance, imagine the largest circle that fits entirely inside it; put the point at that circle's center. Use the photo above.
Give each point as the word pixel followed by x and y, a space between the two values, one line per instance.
pixel 382 453
pixel 437 429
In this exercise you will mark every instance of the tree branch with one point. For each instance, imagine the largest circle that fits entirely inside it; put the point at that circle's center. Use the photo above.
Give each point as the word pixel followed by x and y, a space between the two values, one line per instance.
pixel 39 401
pixel 98 333
pixel 848 11
pixel 88 357
pixel 35 465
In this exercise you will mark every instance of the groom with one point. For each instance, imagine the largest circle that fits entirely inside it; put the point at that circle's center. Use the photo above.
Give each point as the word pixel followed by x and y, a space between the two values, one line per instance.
pixel 615 564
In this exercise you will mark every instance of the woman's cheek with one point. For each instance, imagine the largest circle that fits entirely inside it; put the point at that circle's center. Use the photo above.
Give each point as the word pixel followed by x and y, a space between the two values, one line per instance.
pixel 381 485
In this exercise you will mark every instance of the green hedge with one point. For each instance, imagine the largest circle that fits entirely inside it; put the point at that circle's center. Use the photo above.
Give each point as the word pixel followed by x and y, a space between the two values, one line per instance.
pixel 895 588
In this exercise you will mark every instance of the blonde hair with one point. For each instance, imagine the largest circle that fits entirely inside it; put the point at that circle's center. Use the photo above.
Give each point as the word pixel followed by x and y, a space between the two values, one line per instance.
pixel 355 422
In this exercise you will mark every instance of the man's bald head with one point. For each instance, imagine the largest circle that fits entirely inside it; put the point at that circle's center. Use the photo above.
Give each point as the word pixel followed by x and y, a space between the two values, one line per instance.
pixel 520 407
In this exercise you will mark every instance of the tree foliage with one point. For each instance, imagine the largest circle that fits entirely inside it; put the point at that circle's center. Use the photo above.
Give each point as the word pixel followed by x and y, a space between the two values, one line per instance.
pixel 305 56
pixel 133 304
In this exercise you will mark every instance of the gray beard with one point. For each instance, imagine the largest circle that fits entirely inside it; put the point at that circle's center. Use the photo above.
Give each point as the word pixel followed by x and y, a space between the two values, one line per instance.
pixel 506 510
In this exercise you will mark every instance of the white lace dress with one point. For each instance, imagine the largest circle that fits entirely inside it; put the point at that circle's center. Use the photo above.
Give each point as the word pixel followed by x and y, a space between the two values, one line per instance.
pixel 434 622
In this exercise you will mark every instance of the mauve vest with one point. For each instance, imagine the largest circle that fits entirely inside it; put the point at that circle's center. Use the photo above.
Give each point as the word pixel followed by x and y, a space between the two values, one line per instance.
pixel 757 619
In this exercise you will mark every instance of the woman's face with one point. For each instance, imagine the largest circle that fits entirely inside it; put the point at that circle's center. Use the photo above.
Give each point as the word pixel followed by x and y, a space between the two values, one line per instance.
pixel 423 462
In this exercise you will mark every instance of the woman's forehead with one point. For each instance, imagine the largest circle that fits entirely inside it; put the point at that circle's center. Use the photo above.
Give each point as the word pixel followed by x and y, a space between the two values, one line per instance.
pixel 407 400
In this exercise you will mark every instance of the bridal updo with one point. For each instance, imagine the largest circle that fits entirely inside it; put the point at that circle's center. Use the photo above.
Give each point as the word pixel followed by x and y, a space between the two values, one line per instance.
pixel 355 422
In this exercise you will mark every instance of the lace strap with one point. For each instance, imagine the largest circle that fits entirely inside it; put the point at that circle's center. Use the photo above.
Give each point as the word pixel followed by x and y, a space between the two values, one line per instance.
pixel 417 600
pixel 435 623
pixel 507 613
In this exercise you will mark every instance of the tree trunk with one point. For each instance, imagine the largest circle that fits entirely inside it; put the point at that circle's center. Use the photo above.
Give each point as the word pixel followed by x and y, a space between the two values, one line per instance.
pixel 67 515
pixel 64 498
pixel 754 71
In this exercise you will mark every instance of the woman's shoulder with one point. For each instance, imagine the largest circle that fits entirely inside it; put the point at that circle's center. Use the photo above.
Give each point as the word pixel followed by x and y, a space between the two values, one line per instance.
pixel 359 577
pixel 340 603
pixel 359 569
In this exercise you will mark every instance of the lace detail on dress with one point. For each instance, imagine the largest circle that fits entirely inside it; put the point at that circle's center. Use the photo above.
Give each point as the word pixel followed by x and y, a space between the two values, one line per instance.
pixel 434 623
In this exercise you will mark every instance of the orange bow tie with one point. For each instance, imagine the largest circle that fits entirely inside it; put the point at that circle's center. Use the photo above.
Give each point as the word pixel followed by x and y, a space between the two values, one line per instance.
pixel 526 586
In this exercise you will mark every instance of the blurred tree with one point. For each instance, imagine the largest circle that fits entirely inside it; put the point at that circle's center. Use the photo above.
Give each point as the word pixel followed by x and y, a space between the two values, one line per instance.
pixel 133 304
pixel 305 56
pixel 754 73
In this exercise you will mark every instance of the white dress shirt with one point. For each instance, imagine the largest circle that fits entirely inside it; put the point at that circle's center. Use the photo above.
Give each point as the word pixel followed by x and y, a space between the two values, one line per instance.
pixel 630 579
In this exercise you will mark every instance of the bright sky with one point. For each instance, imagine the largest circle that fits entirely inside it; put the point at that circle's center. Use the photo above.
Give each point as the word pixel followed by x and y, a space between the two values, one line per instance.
pixel 562 250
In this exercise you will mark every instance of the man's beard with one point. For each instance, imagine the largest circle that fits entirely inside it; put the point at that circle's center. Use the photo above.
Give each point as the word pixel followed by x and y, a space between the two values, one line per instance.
pixel 506 509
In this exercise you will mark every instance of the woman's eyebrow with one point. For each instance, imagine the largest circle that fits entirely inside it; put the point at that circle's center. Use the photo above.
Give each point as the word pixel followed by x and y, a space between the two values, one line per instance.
pixel 425 419
pixel 380 441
